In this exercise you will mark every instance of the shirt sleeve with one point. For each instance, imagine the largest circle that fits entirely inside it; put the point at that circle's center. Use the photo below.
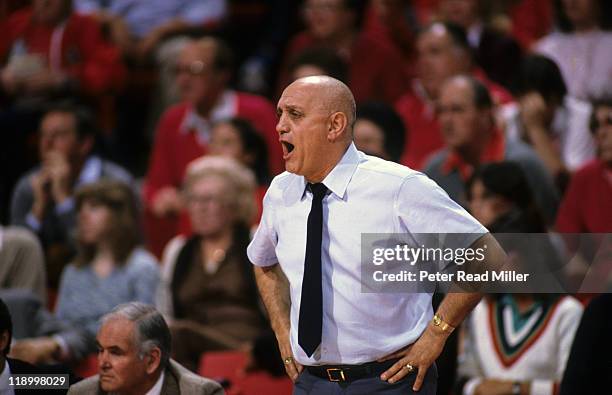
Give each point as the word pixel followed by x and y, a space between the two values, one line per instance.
pixel 424 208
pixel 262 249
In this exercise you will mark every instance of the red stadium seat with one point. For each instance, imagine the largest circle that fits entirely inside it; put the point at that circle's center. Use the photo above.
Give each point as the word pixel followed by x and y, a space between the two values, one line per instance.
pixel 230 366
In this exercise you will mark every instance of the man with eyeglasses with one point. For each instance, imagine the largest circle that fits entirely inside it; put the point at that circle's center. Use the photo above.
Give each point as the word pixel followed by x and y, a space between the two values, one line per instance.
pixel 202 75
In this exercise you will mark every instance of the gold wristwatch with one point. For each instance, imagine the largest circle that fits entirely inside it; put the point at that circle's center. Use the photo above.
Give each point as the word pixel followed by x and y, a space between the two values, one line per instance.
pixel 444 326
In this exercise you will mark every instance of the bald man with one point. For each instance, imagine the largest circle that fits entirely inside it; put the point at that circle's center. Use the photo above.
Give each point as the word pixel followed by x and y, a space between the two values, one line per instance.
pixel 333 337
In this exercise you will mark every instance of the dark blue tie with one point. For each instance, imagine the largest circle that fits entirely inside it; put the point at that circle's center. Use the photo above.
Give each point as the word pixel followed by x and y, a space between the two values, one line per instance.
pixel 311 304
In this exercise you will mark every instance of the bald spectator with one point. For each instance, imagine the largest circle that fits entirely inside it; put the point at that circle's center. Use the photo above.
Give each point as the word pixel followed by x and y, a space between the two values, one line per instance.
pixel 375 71
pixel 586 206
pixel 443 52
pixel 465 112
pixel 183 133
pixel 496 52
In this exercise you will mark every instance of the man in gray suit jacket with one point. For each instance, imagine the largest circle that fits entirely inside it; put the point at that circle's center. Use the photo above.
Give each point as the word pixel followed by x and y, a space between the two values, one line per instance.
pixel 134 358
pixel 43 199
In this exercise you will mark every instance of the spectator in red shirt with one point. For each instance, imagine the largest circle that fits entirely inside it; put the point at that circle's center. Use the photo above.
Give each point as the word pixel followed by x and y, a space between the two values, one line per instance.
pixel 587 205
pixel 183 132
pixel 465 112
pixel 375 71
pixel 443 52
pixel 47 48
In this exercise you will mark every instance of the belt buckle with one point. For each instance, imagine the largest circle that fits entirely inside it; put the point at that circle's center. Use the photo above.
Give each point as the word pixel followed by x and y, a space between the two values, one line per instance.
pixel 332 371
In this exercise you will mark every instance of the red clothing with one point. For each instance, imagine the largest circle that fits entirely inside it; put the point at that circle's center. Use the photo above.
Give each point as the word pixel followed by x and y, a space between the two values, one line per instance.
pixel 175 148
pixel 587 205
pixel 375 70
pixel 531 20
pixel 493 152
pixel 423 135
pixel 83 53
pixel 394 33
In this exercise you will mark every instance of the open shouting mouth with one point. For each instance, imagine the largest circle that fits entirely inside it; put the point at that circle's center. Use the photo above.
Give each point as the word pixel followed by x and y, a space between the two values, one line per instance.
pixel 287 149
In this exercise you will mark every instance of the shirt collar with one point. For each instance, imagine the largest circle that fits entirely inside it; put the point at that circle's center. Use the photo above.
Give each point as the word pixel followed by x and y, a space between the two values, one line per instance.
pixel 4 379
pixel 493 152
pixel 336 181
pixel 91 171
pixel 226 107
pixel 156 389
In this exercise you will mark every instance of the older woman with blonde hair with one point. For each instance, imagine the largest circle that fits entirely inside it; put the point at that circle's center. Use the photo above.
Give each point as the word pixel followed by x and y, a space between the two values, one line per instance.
pixel 208 293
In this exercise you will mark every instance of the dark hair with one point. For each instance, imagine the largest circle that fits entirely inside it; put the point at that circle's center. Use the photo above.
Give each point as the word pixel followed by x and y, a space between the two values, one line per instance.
pixel 254 144
pixel 358 7
pixel 83 117
pixel 456 33
pixel 6 325
pixel 605 15
pixel 482 97
pixel 383 116
pixel 124 234
pixel 224 56
pixel 593 122
pixel 324 58
pixel 507 179
pixel 541 74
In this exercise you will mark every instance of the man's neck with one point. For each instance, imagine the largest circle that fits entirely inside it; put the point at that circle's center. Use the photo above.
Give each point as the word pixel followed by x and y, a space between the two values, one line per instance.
pixel 205 107
pixel 327 168
pixel 472 153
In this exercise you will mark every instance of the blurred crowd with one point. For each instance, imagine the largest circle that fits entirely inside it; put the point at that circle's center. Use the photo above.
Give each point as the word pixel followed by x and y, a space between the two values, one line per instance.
pixel 138 137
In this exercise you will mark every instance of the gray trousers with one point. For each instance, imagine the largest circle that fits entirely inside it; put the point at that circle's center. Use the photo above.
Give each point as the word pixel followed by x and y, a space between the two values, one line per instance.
pixel 308 384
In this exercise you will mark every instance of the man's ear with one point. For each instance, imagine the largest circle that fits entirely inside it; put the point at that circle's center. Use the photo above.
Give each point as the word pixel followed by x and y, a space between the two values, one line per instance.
pixel 153 360
pixel 338 126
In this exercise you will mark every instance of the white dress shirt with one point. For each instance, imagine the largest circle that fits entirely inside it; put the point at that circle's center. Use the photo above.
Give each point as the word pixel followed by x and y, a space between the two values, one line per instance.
pixel 367 195
pixel 4 380
pixel 156 389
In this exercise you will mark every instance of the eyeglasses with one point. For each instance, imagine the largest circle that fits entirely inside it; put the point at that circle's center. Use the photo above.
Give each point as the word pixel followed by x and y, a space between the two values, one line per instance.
pixel 195 68
pixel 205 200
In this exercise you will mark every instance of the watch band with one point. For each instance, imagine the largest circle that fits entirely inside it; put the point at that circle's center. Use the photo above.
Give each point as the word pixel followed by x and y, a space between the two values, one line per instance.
pixel 440 323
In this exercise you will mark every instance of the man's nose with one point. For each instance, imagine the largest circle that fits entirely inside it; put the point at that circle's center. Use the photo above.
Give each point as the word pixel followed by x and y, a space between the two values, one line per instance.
pixel 281 127
pixel 103 362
